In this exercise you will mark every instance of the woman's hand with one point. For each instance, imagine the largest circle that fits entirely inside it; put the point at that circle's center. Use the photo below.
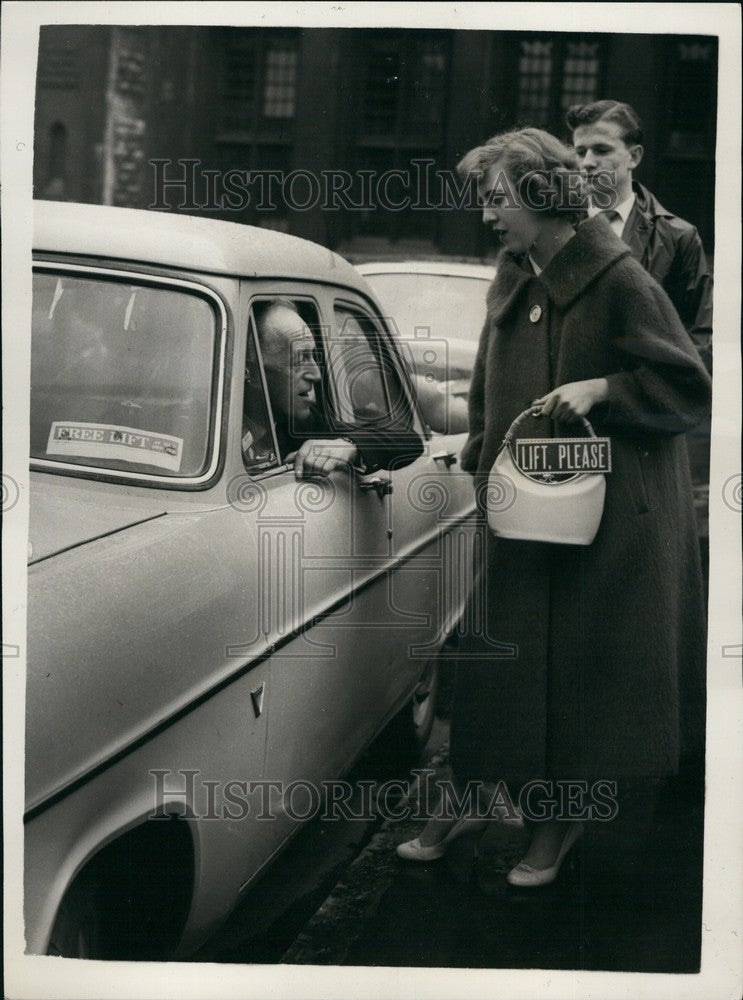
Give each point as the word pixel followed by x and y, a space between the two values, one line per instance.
pixel 573 400
pixel 318 457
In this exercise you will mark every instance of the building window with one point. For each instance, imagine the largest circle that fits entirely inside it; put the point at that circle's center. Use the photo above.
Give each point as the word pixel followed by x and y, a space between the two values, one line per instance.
pixel 550 74
pixel 258 82
pixel 280 90
pixel 404 87
pixel 238 88
pixel 402 108
pixel 580 73
pixel 690 123
pixel 535 78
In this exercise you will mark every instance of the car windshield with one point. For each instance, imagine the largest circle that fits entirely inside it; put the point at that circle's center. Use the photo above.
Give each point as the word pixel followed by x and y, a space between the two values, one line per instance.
pixel 439 316
pixel 121 376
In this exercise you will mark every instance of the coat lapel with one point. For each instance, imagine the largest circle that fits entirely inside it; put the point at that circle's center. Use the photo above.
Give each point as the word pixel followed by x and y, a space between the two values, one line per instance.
pixel 510 280
pixel 636 233
pixel 592 250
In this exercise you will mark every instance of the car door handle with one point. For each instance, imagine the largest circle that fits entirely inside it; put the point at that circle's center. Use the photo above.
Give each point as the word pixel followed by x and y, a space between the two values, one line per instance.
pixel 380 484
pixel 447 457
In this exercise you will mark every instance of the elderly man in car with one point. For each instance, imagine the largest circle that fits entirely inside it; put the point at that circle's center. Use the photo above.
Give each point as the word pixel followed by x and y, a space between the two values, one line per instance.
pixel 315 443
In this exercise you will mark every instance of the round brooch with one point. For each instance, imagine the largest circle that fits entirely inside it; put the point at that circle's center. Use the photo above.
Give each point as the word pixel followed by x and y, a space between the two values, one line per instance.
pixel 535 314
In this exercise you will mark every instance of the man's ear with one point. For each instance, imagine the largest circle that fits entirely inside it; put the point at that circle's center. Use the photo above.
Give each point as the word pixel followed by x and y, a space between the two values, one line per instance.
pixel 636 153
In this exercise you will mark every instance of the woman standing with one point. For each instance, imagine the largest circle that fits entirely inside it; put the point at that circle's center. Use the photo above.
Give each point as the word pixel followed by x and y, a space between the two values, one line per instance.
pixel 603 633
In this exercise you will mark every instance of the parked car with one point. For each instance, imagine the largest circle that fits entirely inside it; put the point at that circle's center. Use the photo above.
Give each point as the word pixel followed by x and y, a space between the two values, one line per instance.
pixel 438 309
pixel 207 642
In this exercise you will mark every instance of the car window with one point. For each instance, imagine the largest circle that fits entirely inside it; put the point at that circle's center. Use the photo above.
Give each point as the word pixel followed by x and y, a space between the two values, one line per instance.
pixel 438 317
pixel 365 385
pixel 284 394
pixel 122 375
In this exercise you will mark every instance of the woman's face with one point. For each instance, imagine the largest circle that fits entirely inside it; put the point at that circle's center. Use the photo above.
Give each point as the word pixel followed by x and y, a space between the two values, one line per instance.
pixel 517 227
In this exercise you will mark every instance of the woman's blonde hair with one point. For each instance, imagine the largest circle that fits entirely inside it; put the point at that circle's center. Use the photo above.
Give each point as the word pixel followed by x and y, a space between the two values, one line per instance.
pixel 533 160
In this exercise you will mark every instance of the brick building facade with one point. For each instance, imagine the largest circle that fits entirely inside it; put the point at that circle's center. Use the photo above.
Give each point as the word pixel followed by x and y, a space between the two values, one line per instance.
pixel 110 100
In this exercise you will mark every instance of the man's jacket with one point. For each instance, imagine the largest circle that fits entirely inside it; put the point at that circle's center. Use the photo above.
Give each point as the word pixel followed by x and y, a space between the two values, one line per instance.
pixel 671 250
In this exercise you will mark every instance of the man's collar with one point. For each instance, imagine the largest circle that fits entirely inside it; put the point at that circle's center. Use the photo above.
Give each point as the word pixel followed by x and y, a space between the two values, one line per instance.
pixel 647 204
pixel 623 209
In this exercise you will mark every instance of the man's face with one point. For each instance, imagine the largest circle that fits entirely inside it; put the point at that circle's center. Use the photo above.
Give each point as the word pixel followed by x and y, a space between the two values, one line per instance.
pixel 517 227
pixel 600 147
pixel 290 365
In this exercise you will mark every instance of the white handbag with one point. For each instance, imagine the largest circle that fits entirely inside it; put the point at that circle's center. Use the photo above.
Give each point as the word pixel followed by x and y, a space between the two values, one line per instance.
pixel 538 490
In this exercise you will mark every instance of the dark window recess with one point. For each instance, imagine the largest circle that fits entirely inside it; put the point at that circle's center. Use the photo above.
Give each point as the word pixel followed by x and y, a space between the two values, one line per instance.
pixel 402 93
pixel 690 120
pixel 404 87
pixel 258 82
pixel 57 153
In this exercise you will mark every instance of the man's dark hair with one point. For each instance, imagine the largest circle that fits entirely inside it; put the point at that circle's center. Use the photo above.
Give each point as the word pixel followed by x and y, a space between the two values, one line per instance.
pixel 624 115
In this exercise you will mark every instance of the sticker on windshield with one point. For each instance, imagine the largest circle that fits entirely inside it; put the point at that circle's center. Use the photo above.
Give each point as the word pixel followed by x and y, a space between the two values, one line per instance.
pixel 110 441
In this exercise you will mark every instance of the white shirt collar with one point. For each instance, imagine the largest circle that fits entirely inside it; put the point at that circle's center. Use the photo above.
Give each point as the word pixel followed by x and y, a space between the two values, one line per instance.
pixel 623 209
pixel 537 268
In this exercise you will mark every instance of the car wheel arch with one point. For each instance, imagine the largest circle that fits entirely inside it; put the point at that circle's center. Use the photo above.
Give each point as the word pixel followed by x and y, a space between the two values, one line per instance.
pixel 105 903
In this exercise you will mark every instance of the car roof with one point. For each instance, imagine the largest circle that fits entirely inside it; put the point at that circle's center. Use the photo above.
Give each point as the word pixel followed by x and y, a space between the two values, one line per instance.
pixel 186 242
pixel 437 267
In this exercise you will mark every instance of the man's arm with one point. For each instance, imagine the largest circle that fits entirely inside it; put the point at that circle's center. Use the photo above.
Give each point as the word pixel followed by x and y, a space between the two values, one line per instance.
pixel 365 449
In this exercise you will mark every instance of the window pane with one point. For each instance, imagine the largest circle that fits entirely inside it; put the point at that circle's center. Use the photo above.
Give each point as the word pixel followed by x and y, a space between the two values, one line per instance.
pixel 535 75
pixel 424 109
pixel 238 91
pixel 279 95
pixel 355 371
pixel 121 375
pixel 381 92
pixel 580 73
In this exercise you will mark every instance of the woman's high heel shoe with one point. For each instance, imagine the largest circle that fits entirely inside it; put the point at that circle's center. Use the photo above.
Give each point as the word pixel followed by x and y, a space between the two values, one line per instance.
pixel 526 876
pixel 413 850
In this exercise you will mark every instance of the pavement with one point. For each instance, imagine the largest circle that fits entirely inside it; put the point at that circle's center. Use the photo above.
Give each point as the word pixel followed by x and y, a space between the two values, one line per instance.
pixel 629 900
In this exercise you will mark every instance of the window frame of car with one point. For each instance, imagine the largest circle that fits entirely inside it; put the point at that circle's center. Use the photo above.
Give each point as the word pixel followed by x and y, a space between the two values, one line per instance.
pixel 324 300
pixel 252 342
pixel 187 283
pixel 387 344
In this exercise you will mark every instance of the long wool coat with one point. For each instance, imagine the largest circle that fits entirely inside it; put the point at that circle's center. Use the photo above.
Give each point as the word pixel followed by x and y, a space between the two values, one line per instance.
pixel 604 644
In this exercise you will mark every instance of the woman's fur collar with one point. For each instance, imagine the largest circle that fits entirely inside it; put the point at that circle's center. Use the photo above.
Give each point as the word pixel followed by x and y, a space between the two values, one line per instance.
pixel 594 248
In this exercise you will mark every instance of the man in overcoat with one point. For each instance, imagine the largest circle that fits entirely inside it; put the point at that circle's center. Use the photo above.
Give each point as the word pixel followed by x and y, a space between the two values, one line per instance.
pixel 608 141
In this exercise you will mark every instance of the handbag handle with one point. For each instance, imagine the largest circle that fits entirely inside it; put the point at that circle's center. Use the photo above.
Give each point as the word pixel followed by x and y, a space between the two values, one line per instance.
pixel 533 411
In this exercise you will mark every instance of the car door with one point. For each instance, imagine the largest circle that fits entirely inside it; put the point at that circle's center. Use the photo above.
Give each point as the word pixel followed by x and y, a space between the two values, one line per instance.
pixel 429 515
pixel 322 564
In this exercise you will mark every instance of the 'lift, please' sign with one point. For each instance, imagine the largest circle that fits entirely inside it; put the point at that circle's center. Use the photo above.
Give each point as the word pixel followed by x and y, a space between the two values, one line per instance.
pixel 562 456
